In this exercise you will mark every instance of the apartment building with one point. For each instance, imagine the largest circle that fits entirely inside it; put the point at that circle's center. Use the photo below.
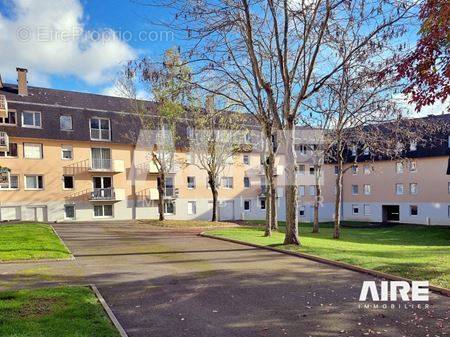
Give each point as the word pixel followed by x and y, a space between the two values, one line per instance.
pixel 70 156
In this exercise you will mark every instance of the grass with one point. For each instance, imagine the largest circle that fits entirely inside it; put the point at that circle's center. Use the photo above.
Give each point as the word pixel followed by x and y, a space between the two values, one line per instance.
pixel 415 252
pixel 185 223
pixel 30 242
pixel 53 312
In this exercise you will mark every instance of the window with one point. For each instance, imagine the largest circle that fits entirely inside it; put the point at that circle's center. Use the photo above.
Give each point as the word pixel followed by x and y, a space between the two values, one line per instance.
pixel 399 189
pixel 312 190
pixel 367 209
pixel 247 137
pixel 246 159
pixel 69 212
pixel 246 182
pixel 302 149
pixel 101 158
pixel 336 169
pixel 32 151
pixel 301 211
pixel 68 183
pixel 355 189
pixel 65 123
pixel 413 210
pixel 31 119
pixel 169 207
pixel 448 188
pixel 354 148
pixel 312 170
pixel 413 146
pixel 100 129
pixel 413 188
pixel 66 152
pixel 246 205
pixel 399 167
pixel 168 187
pixel 367 189
pixel 192 208
pixel 366 151
pixel 13 183
pixel 301 190
pixel 191 182
pixel 103 211
pixel 10 120
pixel 412 166
pixel 366 169
pixel 448 211
pixel 355 169
pixel 355 209
pixel 262 203
pixel 227 182
pixel 190 132
pixel 12 151
pixel 34 182
pixel 301 169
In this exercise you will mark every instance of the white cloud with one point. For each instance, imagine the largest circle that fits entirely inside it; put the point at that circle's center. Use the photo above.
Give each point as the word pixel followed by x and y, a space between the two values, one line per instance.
pixel 50 38
pixel 436 109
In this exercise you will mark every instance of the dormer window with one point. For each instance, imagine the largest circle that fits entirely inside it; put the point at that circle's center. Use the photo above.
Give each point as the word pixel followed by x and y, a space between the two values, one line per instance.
pixel 65 123
pixel 100 129
pixel 31 119
pixel 413 146
pixel 354 150
pixel 10 120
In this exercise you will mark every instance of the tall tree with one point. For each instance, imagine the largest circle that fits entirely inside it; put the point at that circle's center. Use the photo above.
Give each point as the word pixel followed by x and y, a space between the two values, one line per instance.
pixel 217 136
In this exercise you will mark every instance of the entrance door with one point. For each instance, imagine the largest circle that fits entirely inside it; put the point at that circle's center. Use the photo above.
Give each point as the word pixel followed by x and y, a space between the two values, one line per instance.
pixel 102 187
pixel 391 213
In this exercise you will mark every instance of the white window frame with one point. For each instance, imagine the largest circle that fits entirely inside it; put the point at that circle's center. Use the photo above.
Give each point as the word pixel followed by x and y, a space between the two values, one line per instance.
pixel 6 152
pixel 10 124
pixel 73 182
pixel 193 210
pixel 355 206
pixel 411 208
pixel 166 202
pixel 355 191
pixel 103 216
pixel 65 214
pixel 399 167
pixel 312 170
pixel 413 146
pixel 225 183
pixel 355 169
pixel 9 188
pixel 34 120
pixel 367 170
pixel 367 189
pixel 192 187
pixel 336 170
pixel 448 188
pixel 302 208
pixel 246 159
pixel 67 148
pixel 71 123
pixel 366 151
pixel 100 133
pixel 261 203
pixel 312 190
pixel 412 166
pixel 249 205
pixel 37 180
pixel 416 188
pixel 24 151
pixel 367 210
pixel 301 190
pixel 397 189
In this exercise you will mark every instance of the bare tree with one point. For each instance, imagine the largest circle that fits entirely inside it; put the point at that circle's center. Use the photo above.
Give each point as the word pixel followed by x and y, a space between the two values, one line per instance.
pixel 217 136
pixel 272 55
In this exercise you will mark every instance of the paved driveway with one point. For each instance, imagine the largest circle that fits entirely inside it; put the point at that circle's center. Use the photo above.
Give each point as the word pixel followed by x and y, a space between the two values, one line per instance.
pixel 174 283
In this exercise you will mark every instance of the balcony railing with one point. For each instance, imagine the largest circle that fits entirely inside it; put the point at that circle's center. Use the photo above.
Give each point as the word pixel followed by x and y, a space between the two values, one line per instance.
pixel 107 165
pixel 3 106
pixel 103 194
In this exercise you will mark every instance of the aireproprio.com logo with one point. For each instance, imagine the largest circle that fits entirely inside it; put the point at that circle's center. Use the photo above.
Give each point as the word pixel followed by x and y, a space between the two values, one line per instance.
pixel 398 294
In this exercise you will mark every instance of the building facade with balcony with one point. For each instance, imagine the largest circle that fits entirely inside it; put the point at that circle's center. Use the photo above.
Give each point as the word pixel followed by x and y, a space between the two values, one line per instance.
pixel 78 157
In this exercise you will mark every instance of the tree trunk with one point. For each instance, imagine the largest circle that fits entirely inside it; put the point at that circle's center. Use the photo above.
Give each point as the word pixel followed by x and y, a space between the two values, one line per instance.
pixel 291 236
pixel 338 201
pixel 215 195
pixel 161 190
pixel 272 191
pixel 317 200
pixel 269 210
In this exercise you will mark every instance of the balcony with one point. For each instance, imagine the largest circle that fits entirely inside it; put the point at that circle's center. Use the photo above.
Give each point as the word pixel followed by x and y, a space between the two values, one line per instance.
pixel 3 107
pixel 278 170
pixel 264 189
pixel 107 194
pixel 107 165
pixel 4 141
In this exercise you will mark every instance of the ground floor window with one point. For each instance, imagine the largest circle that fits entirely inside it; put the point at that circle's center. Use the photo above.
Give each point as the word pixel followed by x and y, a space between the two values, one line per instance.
pixel 69 211
pixel 246 205
pixel 448 211
pixel 367 210
pixel 192 207
pixel 262 203
pixel 355 209
pixel 301 211
pixel 103 210
pixel 169 207
pixel 413 210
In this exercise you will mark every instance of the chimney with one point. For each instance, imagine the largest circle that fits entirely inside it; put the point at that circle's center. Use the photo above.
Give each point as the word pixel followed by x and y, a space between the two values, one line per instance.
pixel 22 86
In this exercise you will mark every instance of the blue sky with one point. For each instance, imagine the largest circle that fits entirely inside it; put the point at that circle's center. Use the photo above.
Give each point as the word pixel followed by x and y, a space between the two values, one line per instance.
pixel 115 30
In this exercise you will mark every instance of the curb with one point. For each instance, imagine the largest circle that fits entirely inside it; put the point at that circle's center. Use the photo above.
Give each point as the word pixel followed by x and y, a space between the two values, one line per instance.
pixel 62 241
pixel 108 311
pixel 439 290
pixel 70 258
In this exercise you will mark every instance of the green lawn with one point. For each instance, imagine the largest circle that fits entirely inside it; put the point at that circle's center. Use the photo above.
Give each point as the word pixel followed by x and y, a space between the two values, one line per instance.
pixel 415 252
pixel 185 223
pixel 30 242
pixel 53 312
